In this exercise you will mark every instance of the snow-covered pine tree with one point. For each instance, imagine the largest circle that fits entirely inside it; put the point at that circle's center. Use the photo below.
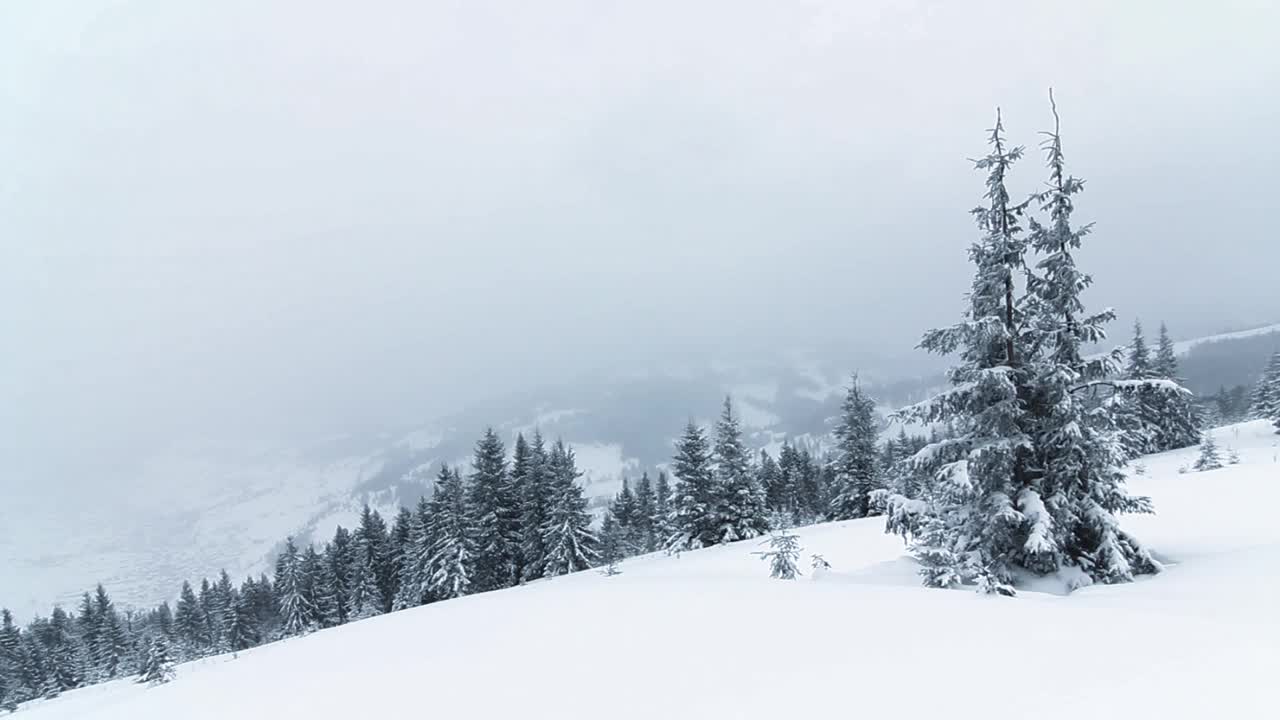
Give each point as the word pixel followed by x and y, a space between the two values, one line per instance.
pixel 1178 419
pixel 856 473
pixel 337 560
pixel 8 700
pixel 398 544
pixel 567 536
pixel 1029 477
pixel 696 496
pixel 112 647
pixel 32 673
pixel 1264 403
pixel 452 563
pixel 364 599
pixel 624 504
pixel 64 668
pixel 642 521
pixel 263 610
pixel 786 495
pixel 663 512
pixel 1209 458
pixel 741 505
pixel 186 623
pixel 414 563
pixel 1166 361
pixel 972 532
pixel 291 592
pixel 242 632
pixel 159 666
pixel 208 616
pixel 374 531
pixel 1070 506
pixel 1139 364
pixel 222 612
pixel 319 588
pixel 783 555
pixel 497 516
pixel 613 543
pixel 815 483
pixel 530 467
pixel 10 642
pixel 770 478
pixel 87 622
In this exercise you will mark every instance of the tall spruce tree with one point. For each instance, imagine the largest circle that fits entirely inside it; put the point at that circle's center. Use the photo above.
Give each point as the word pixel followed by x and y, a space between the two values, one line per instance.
pixel 110 653
pixel 696 498
pixel 663 512
pixel 337 559
pixel 365 599
pixel 64 658
pixel 414 564
pixel 532 468
pixel 496 515
pixel 1030 477
pixel 856 471
pixel 1178 419
pixel 318 589
pixel 10 642
pixel 770 475
pixel 741 507
pixel 1139 364
pixel 643 516
pixel 452 564
pixel 187 623
pixel 374 531
pixel 1166 361
pixel 1265 400
pixel 1070 510
pixel 397 546
pixel 291 587
pixel 567 536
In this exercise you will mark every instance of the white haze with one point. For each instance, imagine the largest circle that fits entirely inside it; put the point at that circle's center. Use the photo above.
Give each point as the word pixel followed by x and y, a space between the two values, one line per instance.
pixel 243 223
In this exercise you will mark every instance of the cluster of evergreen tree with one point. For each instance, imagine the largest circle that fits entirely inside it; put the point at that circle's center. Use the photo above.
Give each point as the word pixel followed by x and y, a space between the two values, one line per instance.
pixel 723 492
pixel 1153 418
pixel 1029 477
pixel 1265 400
pixel 505 523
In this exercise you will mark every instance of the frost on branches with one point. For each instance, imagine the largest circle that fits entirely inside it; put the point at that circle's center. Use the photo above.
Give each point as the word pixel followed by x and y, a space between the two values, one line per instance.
pixel 783 556
pixel 1030 479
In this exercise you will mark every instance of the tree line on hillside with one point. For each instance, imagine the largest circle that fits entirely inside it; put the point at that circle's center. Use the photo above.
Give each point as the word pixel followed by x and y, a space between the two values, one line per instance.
pixel 1021 472
pixel 510 520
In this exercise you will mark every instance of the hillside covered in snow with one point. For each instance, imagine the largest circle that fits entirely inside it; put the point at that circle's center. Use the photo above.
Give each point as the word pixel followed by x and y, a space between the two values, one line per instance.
pixel 709 634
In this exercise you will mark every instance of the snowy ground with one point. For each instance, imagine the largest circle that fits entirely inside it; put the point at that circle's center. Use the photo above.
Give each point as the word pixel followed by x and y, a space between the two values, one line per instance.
pixel 709 635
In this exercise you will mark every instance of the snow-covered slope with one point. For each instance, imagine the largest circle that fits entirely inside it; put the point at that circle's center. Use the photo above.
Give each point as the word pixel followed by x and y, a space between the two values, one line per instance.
pixel 708 634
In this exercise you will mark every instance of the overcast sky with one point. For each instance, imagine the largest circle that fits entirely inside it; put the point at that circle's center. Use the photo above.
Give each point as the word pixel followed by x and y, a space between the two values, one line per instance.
pixel 270 219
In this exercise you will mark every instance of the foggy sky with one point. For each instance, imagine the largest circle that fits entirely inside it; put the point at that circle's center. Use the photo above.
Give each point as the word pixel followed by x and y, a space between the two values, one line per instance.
pixel 249 221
